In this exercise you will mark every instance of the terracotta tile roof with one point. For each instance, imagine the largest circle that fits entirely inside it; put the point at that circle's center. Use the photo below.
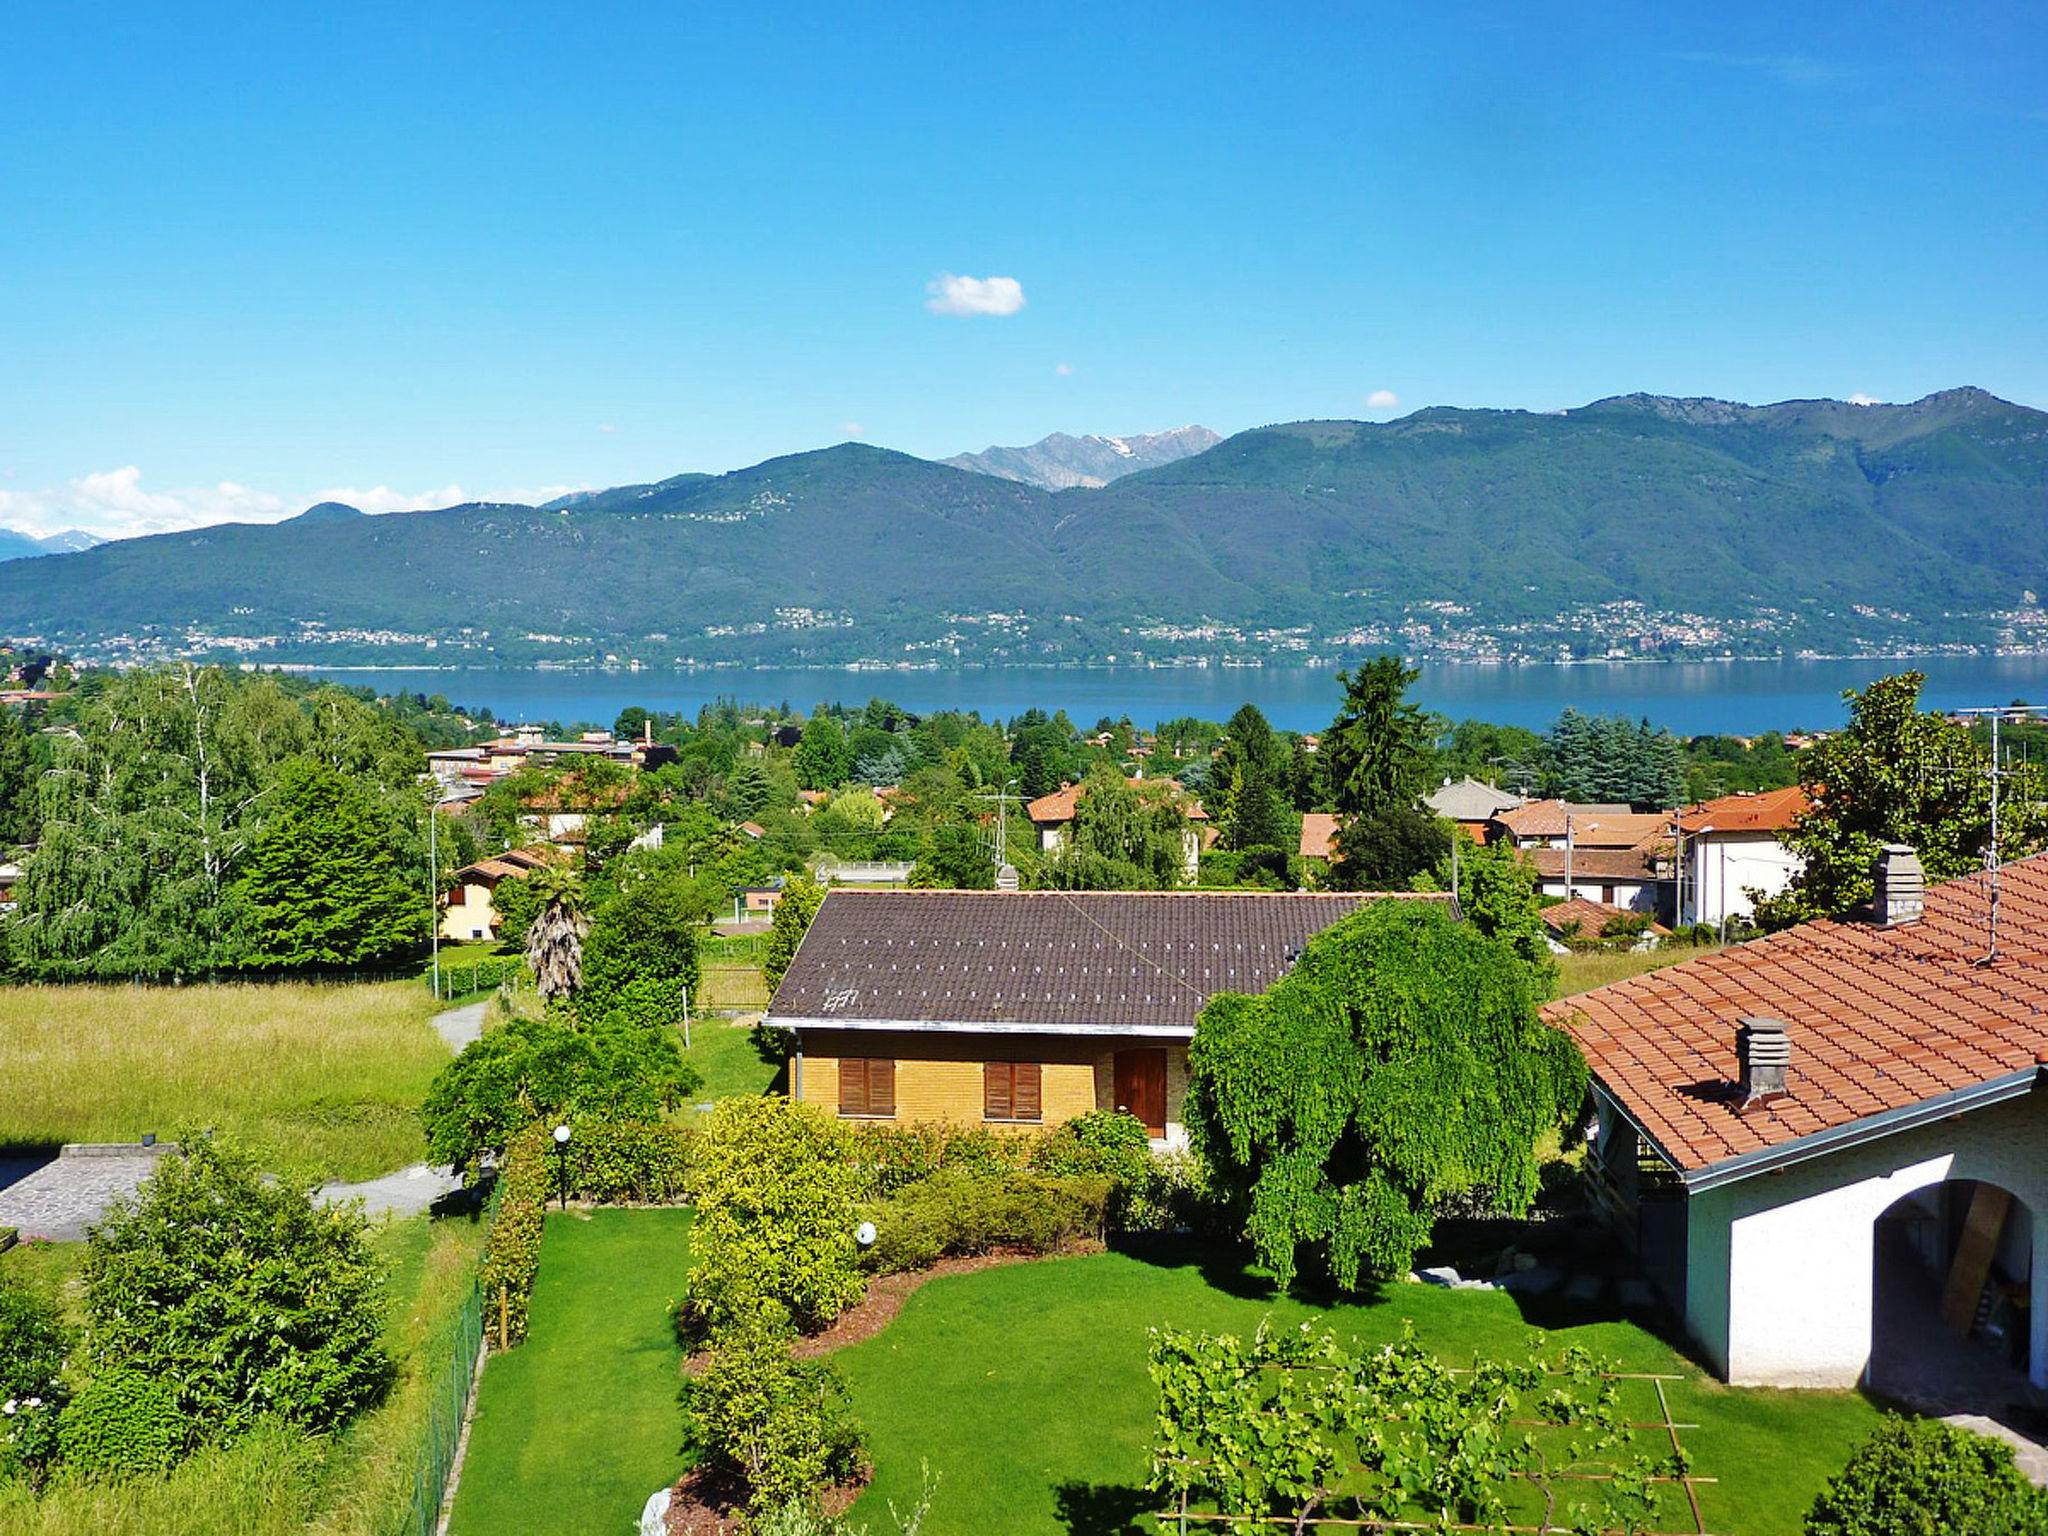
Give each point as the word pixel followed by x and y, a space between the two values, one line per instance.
pixel 1057 808
pixel 1773 810
pixel 1879 1019
pixel 1637 864
pixel 1591 916
pixel 753 829
pixel 1545 818
pixel 1319 835
pixel 1048 960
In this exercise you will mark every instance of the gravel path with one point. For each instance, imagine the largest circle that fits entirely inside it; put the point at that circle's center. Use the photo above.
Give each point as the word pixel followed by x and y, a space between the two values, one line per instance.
pixel 65 1195
pixel 404 1193
pixel 459 1026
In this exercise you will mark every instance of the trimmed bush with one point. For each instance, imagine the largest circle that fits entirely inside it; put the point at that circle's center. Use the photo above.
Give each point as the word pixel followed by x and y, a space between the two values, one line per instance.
pixel 892 1156
pixel 1919 1477
pixel 775 1215
pixel 32 1348
pixel 512 1252
pixel 958 1211
pixel 239 1293
pixel 123 1422
pixel 616 1162
pixel 1148 1192
pixel 776 1426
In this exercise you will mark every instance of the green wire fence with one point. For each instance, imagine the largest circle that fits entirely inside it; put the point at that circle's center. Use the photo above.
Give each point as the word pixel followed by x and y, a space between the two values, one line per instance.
pixel 444 1428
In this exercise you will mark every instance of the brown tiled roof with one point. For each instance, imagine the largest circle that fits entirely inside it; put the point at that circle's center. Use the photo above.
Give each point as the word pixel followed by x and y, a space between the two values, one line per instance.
pixel 1048 960
pixel 1594 863
pixel 1318 835
pixel 1057 808
pixel 1880 1019
pixel 1773 810
pixel 1545 818
pixel 1591 916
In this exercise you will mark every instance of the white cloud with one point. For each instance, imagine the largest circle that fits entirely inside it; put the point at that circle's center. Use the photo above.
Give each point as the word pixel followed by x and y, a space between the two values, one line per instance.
pixel 853 429
pixel 381 498
pixel 1860 398
pixel 1382 400
pixel 116 504
pixel 1065 370
pixel 952 295
pixel 607 429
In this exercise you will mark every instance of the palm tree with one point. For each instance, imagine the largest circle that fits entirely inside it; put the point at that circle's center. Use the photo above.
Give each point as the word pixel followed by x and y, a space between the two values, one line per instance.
pixel 554 944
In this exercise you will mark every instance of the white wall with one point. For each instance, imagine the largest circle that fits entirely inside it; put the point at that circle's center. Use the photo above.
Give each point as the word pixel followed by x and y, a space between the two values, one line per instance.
pixel 1721 868
pixel 1779 1267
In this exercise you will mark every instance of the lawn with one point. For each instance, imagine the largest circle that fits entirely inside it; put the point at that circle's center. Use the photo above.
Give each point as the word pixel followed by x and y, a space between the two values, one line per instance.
pixel 1584 970
pixel 578 1425
pixel 322 1081
pixel 1023 1389
pixel 276 1483
pixel 730 1060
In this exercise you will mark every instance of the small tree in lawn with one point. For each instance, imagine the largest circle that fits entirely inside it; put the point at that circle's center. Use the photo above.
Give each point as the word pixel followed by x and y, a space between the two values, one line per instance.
pixel 554 944
pixel 1399 1065
pixel 775 1215
pixel 239 1293
pixel 641 955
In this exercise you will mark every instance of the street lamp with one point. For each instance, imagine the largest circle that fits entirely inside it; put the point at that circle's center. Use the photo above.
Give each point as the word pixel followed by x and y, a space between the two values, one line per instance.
pixel 562 1160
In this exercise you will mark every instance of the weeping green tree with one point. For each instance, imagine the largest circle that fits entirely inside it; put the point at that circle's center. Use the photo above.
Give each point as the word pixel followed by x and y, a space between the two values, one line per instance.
pixel 1399 1066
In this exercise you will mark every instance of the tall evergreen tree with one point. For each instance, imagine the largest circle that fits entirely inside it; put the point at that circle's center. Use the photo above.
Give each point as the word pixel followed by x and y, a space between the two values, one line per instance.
pixel 324 884
pixel 1246 784
pixel 1381 747
pixel 823 756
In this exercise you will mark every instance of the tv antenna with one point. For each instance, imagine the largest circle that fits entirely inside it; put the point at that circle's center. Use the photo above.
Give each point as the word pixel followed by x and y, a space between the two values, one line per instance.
pixel 1002 798
pixel 1998 714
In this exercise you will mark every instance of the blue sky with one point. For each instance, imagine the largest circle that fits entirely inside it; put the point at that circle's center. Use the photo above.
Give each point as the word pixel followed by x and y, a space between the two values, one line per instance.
pixel 249 255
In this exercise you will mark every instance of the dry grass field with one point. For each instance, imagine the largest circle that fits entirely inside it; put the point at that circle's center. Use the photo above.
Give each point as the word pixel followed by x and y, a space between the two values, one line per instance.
pixel 323 1081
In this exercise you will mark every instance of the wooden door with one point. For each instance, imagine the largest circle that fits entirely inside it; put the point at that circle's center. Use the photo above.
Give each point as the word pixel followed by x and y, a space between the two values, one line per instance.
pixel 1141 1087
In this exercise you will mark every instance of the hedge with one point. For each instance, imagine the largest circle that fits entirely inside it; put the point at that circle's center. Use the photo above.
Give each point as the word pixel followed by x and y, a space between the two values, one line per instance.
pixel 960 1211
pixel 512 1253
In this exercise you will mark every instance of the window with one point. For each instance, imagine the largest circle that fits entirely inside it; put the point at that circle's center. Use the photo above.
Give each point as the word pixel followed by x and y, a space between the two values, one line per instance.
pixel 867 1086
pixel 1009 1091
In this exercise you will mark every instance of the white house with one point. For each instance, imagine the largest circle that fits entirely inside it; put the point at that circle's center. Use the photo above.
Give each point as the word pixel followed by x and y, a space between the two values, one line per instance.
pixel 1732 851
pixel 1600 853
pixel 1829 1147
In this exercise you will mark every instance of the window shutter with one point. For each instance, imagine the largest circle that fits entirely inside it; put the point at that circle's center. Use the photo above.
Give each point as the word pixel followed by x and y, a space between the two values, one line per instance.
pixel 995 1090
pixel 1024 1091
pixel 881 1086
pixel 853 1085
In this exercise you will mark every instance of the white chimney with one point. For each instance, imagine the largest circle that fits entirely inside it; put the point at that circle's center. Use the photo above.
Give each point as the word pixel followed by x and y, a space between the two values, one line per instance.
pixel 1898 886
pixel 1765 1052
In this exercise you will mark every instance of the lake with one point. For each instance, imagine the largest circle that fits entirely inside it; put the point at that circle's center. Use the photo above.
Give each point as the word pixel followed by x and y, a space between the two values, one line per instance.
pixel 1691 698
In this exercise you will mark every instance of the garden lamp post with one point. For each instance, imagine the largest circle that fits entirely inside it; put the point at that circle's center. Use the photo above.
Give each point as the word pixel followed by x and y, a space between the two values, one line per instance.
pixel 562 1160
pixel 864 1234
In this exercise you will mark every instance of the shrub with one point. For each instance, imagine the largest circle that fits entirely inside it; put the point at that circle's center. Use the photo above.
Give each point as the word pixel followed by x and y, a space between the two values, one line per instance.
pixel 1114 1145
pixel 641 955
pixel 239 1293
pixel 775 1215
pixel 1914 1477
pixel 775 1425
pixel 615 1161
pixel 123 1422
pixel 960 1211
pixel 512 1252
pixel 32 1350
pixel 891 1156
pixel 548 1069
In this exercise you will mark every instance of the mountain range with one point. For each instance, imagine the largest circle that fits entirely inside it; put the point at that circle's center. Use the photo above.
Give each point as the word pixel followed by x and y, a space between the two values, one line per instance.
pixel 23 546
pixel 1640 525
pixel 1060 462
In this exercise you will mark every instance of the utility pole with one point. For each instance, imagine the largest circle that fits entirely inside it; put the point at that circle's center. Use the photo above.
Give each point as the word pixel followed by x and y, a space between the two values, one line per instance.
pixel 1002 799
pixel 1567 855
pixel 434 883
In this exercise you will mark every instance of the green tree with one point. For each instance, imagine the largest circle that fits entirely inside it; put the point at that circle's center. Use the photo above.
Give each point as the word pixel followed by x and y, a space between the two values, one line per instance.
pixel 550 1069
pixel 1249 777
pixel 1900 775
pixel 646 937
pixel 1400 1065
pixel 824 757
pixel 956 859
pixel 1379 751
pixel 1499 895
pixel 801 899
pixel 239 1293
pixel 1124 836
pixel 1388 849
pixel 324 882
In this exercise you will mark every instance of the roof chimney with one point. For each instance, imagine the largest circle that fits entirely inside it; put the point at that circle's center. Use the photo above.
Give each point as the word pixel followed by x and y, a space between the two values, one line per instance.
pixel 1765 1052
pixel 1898 886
